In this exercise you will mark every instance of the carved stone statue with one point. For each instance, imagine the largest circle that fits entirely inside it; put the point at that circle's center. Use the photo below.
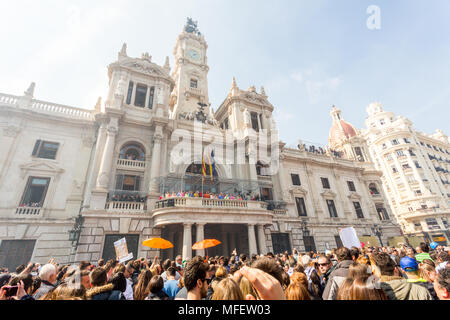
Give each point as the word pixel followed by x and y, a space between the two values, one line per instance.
pixel 147 57
pixel 160 95
pixel 246 117
pixel 120 90
pixel 30 90
pixel 191 27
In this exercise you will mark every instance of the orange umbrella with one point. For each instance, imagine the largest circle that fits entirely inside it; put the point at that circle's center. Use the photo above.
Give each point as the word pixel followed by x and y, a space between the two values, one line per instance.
pixel 158 243
pixel 204 244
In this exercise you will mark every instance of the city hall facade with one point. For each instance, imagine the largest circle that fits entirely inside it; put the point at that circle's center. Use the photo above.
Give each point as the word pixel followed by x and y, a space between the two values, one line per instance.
pixel 110 165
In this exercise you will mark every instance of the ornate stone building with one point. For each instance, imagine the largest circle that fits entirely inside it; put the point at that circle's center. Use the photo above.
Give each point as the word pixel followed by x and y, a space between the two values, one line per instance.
pixel 110 164
pixel 416 174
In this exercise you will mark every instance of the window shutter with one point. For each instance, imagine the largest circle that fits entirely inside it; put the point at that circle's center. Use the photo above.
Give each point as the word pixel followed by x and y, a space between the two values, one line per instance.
pixel 138 180
pixel 119 181
pixel 36 147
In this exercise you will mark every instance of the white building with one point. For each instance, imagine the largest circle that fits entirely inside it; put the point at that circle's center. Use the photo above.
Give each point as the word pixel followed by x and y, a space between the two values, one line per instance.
pixel 416 174
pixel 112 163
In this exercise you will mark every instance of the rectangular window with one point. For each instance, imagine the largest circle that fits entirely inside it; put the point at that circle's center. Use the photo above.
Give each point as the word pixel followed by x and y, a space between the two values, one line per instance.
pixel 417 164
pixel 141 94
pixel 254 117
pixel 399 153
pixel 388 157
pixel 127 182
pixel 382 213
pixel 395 142
pixel 406 140
pixel 432 224
pixel 45 149
pixel 338 240
pixel 332 208
pixel 301 208
pixel 130 92
pixel 35 192
pixel 309 243
pixel 225 123
pixel 359 154
pixel 358 210
pixel 406 166
pixel 295 179
pixel 150 98
pixel 266 194
pixel 325 183
pixel 394 169
pixel 351 186
pixel 194 83
pixel 418 192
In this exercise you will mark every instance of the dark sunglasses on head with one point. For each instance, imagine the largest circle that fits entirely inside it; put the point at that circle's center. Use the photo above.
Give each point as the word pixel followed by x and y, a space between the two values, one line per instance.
pixel 323 264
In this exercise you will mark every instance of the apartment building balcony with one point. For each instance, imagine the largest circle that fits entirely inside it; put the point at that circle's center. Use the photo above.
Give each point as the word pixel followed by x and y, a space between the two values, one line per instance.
pixel 128 164
pixel 126 201
pixel 27 211
pixel 205 210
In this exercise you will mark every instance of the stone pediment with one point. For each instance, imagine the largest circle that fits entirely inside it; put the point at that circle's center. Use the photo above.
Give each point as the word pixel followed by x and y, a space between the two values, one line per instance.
pixel 298 190
pixel 328 194
pixel 354 196
pixel 142 66
pixel 40 167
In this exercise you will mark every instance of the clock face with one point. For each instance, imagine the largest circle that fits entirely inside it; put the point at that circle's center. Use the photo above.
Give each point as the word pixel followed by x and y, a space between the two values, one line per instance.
pixel 194 54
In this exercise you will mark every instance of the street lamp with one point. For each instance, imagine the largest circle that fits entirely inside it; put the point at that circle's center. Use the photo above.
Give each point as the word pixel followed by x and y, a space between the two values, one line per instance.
pixel 74 234
pixel 377 231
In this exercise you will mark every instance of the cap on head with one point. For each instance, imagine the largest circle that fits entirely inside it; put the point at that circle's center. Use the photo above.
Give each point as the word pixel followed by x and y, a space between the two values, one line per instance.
pixel 434 245
pixel 409 264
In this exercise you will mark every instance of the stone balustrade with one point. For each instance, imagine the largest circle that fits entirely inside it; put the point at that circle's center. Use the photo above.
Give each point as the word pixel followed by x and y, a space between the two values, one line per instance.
pixel 29 211
pixel 71 112
pixel 135 164
pixel 209 203
pixel 123 206
pixel 8 99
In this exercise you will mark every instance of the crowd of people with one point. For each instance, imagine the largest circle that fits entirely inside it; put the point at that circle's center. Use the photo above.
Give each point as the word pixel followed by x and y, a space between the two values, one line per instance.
pixel 127 197
pixel 209 195
pixel 369 273
pixel 322 151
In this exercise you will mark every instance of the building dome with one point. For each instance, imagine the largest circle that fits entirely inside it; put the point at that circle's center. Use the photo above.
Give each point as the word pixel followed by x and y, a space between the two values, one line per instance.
pixel 340 129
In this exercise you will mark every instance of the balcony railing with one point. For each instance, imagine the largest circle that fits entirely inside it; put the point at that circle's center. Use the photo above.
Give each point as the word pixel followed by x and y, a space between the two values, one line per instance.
pixel 122 206
pixel 29 211
pixel 135 164
pixel 209 203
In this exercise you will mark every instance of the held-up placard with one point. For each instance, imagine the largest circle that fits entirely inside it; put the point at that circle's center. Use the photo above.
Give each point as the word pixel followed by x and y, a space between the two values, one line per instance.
pixel 122 251
pixel 349 238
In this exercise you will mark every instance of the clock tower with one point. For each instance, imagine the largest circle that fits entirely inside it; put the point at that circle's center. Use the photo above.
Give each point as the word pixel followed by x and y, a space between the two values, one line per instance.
pixel 190 72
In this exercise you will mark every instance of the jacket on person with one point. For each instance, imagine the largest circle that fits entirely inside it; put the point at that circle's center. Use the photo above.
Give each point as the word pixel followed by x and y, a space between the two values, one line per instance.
pixel 43 289
pixel 105 292
pixel 161 295
pixel 398 288
pixel 335 280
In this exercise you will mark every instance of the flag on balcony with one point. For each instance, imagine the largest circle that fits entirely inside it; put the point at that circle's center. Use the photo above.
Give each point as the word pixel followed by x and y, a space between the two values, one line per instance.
pixel 203 166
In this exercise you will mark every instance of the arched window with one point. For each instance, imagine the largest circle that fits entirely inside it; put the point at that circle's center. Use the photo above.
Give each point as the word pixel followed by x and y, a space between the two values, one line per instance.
pixel 132 151
pixel 373 189
pixel 197 169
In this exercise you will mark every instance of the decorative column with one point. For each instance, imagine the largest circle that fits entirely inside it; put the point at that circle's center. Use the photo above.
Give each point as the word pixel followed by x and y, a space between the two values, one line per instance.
pixel 252 239
pixel 107 157
pixel 187 241
pixel 200 237
pixel 156 160
pixel 262 239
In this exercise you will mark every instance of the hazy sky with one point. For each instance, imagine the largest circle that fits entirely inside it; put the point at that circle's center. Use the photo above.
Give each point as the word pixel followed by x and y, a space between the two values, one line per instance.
pixel 308 55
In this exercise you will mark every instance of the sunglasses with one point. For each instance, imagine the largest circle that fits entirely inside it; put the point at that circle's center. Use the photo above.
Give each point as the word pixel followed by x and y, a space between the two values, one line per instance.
pixel 323 264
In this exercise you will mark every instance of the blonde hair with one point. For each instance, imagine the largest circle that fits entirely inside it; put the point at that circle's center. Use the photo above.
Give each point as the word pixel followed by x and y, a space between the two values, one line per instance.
pixel 227 289
pixel 221 272
pixel 297 291
pixel 246 288
pixel 141 289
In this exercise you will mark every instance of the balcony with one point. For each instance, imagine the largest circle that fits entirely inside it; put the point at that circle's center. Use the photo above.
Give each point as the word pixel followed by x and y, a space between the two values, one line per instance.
pixel 130 164
pixel 209 203
pixel 215 211
pixel 28 211
pixel 126 207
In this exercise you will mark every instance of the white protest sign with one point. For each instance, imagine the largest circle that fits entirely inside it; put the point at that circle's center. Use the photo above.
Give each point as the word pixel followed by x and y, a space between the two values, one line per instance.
pixel 122 250
pixel 349 238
